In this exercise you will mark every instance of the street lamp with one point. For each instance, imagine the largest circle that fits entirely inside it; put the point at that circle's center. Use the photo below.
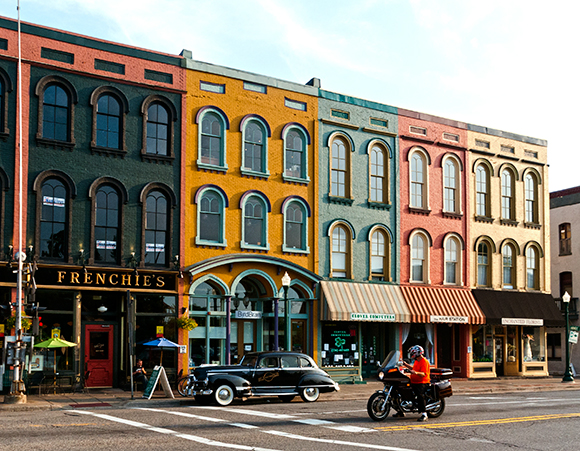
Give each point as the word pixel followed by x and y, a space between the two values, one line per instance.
pixel 285 285
pixel 567 375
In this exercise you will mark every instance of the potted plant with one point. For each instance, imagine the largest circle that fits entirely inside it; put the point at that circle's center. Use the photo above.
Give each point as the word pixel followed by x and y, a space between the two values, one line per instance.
pixel 11 323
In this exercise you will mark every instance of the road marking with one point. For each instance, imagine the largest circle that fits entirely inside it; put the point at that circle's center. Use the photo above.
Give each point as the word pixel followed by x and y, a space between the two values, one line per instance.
pixel 278 416
pixel 523 401
pixel 183 414
pixel 336 442
pixel 193 438
pixel 479 422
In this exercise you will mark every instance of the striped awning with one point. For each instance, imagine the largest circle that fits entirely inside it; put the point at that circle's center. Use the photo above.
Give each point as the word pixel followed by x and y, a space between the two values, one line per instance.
pixel 346 301
pixel 442 305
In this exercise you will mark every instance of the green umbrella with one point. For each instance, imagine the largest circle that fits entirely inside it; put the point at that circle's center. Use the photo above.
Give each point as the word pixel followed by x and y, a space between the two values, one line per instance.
pixel 53 343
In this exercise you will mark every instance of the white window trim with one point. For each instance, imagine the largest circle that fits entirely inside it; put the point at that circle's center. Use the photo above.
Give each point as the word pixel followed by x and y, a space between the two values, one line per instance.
pixel 304 173
pixel 349 149
pixel 349 239
pixel 386 178
pixel 425 158
pixel 459 267
pixel 243 169
pixel 243 244
pixel 459 183
pixel 426 268
pixel 387 268
pixel 223 160
pixel 198 241
pixel 294 250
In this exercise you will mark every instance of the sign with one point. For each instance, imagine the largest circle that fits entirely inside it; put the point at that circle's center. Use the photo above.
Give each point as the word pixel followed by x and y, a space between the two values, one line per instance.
pixel 159 331
pixel 55 333
pixel 575 328
pixel 573 338
pixel 449 319
pixel 183 349
pixel 522 322
pixel 372 317
pixel 247 314
pixel 157 375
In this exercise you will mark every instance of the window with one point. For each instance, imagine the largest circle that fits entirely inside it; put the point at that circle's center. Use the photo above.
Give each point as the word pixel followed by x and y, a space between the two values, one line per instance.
pixel 531 199
pixel 255 147
pixel 295 104
pixel 418 181
pixel 532 273
pixel 483 265
pixel 212 87
pixel 451 137
pixel 53 220
pixel 565 235
pixel 211 217
pixel 340 114
pixel 482 191
pixel 418 258
pixel 255 87
pixel 566 283
pixel 508 266
pixel 107 220
pixel 56 113
pixel 156 229
pixel 452 255
pixel 211 139
pixel 295 226
pixel 418 130
pixel 108 122
pixel 340 258
pixel 554 346
pixel 450 186
pixel 340 180
pixel 507 195
pixel 379 255
pixel 481 143
pixel 378 175
pixel 2 105
pixel 255 226
pixel 157 129
pixel 295 154
pixel 508 149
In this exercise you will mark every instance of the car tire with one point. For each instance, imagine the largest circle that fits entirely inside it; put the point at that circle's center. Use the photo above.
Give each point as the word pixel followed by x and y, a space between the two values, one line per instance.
pixel 224 395
pixel 286 398
pixel 309 394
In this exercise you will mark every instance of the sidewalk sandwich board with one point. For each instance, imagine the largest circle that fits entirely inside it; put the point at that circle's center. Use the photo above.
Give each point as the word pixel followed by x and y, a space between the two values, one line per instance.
pixel 157 375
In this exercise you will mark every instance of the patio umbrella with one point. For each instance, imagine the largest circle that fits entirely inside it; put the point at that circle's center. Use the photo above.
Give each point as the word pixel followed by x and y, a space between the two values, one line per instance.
pixel 54 343
pixel 161 343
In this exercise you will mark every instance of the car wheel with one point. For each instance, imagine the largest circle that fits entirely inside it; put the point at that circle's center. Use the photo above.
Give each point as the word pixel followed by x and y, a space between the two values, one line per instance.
pixel 224 395
pixel 309 394
pixel 286 398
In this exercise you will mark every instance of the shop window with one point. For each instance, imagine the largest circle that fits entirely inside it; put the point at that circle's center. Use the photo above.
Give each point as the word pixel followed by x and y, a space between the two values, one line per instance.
pixel 339 344
pixel 512 344
pixel 554 347
pixel 483 344
pixel 533 344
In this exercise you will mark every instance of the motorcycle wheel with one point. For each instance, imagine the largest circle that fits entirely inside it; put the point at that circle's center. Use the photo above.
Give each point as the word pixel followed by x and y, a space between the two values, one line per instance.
pixel 438 410
pixel 375 407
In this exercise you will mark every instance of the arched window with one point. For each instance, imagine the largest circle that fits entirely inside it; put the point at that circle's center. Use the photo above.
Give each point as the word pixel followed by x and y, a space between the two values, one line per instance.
pixel 532 272
pixel 211 139
pixel 295 227
pixel 107 220
pixel 482 191
pixel 56 113
pixel 108 122
pixel 255 225
pixel 452 261
pixel 295 151
pixel 157 129
pixel 379 255
pixel 418 188
pixel 531 191
pixel 451 186
pixel 483 265
pixel 507 195
pixel 340 257
pixel 508 266
pixel 156 229
pixel 254 147
pixel 378 182
pixel 419 258
pixel 53 220
pixel 340 172
pixel 211 221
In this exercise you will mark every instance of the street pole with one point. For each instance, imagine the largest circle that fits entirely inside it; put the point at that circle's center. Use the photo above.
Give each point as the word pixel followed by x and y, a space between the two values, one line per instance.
pixel 228 329
pixel 276 301
pixel 567 375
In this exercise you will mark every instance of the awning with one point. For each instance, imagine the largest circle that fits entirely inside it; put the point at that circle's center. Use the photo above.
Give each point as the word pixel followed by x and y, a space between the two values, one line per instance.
pixel 519 308
pixel 345 301
pixel 442 305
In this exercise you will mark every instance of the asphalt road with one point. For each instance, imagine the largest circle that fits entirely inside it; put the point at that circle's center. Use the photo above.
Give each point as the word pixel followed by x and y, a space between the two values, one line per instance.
pixel 525 421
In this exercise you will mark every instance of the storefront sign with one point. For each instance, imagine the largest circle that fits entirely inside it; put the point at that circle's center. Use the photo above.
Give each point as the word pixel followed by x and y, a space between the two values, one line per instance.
pixel 522 322
pixel 247 314
pixel 449 319
pixel 95 278
pixel 372 317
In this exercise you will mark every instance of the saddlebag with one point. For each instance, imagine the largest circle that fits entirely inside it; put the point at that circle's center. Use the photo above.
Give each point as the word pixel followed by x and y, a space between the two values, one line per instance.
pixel 439 374
pixel 443 389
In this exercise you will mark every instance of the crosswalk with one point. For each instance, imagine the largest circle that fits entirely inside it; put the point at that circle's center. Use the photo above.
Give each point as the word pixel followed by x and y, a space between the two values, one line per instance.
pixel 257 420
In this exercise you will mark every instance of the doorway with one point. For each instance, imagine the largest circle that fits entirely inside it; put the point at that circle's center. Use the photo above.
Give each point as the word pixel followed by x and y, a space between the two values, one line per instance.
pixel 243 339
pixel 99 354
pixel 499 356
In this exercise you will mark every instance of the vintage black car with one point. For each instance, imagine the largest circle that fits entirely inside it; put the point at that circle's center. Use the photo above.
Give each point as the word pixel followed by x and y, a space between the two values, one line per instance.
pixel 282 374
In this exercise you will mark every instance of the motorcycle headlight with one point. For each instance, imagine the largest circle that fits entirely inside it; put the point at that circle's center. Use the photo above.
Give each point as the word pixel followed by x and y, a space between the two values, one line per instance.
pixel 381 374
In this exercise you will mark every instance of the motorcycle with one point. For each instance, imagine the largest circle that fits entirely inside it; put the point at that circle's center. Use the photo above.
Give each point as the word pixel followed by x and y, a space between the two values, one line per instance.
pixel 398 393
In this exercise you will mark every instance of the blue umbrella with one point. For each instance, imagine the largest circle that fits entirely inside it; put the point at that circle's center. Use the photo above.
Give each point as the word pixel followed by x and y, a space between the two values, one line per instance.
pixel 161 342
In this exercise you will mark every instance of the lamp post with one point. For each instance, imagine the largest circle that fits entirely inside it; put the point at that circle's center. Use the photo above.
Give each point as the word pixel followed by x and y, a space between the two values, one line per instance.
pixel 567 375
pixel 286 284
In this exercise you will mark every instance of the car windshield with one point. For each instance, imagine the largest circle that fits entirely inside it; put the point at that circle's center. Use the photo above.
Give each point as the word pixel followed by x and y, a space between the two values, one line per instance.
pixel 248 360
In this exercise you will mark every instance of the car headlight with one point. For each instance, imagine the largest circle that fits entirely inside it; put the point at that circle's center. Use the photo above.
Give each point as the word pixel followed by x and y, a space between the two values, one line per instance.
pixel 381 375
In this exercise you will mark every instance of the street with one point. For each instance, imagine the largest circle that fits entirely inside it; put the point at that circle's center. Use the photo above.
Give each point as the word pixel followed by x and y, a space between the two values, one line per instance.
pixel 528 421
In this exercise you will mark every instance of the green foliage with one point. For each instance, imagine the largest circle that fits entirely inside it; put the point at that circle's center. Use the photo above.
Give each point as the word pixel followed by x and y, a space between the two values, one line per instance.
pixel 11 322
pixel 186 323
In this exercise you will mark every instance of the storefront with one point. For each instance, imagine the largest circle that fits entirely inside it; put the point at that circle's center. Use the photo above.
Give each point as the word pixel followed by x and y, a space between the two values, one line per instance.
pixel 360 325
pixel 513 340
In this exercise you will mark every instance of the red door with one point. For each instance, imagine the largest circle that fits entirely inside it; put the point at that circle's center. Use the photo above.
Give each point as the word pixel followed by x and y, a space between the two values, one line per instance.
pixel 99 354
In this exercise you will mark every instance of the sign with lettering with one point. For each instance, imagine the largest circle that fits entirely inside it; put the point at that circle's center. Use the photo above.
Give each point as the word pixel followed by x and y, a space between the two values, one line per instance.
pixel 449 319
pixel 372 317
pixel 522 322
pixel 247 314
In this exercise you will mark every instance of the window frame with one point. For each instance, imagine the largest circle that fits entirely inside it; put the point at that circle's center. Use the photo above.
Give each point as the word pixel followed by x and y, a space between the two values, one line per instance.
pixel 512 267
pixel 456 193
pixel 486 170
pixel 224 204
pixel 347 251
pixel 385 275
pixel 424 258
pixel 531 205
pixel 511 210
pixel 306 213
pixel 346 183
pixel 458 263
pixel 418 153
pixel 303 132
pixel 173 116
pixel 490 247
pixel 535 268
pixel 266 209
pixel 375 147
pixel 216 112
pixel 5 90
pixel 266 135
pixel 115 93
pixel 565 244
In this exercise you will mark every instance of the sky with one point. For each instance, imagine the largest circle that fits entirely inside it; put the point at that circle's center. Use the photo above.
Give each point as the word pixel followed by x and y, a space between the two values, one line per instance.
pixel 511 65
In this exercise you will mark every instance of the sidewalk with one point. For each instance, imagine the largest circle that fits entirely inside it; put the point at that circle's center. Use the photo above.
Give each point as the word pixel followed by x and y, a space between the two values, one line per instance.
pixel 117 398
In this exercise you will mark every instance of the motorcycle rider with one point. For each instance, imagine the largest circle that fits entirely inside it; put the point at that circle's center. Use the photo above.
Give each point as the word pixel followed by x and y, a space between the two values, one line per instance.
pixel 420 379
